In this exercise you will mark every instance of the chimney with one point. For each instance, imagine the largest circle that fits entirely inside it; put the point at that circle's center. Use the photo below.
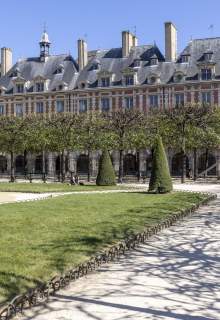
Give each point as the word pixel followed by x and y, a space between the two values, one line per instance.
pixel 170 42
pixel 127 42
pixel 82 54
pixel 135 41
pixel 6 60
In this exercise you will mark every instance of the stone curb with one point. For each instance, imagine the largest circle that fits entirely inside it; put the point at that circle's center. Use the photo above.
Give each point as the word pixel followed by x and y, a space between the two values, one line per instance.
pixel 41 293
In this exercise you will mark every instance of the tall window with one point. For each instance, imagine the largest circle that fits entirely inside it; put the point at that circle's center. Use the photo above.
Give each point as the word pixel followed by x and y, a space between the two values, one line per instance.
pixel 179 99
pixel 82 105
pixel 206 74
pixel 39 107
pixel 20 88
pixel 129 103
pixel 39 86
pixel 153 101
pixel 60 106
pixel 2 109
pixel 206 97
pixel 19 110
pixel 105 104
pixel 105 82
pixel 129 80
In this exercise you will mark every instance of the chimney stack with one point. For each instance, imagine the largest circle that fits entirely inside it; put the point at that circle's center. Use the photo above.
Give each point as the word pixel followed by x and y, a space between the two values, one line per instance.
pixel 128 40
pixel 6 60
pixel 170 42
pixel 82 54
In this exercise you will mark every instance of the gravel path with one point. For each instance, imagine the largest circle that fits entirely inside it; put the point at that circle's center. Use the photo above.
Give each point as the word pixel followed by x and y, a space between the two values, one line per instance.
pixel 174 276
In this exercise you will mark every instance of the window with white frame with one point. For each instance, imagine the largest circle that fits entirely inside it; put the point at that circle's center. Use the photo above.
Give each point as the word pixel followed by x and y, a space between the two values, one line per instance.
pixel 129 102
pixel 208 56
pixel 105 104
pixel 60 106
pixel 19 109
pixel 2 109
pixel 129 80
pixel 206 74
pixel 105 82
pixel 206 97
pixel 82 105
pixel 39 86
pixel 39 107
pixel 153 100
pixel 179 99
pixel 20 87
pixel 184 58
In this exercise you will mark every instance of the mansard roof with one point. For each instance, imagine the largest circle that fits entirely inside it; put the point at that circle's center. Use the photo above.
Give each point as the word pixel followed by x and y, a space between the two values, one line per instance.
pixel 31 69
pixel 111 63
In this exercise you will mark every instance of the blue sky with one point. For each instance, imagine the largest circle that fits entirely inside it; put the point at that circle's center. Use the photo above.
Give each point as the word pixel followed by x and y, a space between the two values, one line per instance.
pixel 102 21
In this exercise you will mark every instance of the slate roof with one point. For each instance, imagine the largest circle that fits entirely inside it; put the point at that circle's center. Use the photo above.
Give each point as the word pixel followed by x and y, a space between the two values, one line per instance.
pixel 32 68
pixel 112 62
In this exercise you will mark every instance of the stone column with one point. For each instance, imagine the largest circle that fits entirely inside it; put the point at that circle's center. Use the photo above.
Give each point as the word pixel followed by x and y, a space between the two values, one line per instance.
pixel 51 165
pixel 72 162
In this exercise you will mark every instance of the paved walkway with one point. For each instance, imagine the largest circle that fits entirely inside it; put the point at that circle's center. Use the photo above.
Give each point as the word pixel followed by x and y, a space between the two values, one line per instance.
pixel 174 276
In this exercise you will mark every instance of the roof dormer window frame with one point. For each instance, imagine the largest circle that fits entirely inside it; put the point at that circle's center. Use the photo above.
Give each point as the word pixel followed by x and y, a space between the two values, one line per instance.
pixel 208 56
pixel 153 79
pixel 178 77
pixel 185 58
pixel 129 77
pixel 105 79
pixel 154 60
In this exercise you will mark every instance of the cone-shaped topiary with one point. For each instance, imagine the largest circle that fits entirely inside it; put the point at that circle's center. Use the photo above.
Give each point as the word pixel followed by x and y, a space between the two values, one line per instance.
pixel 106 174
pixel 160 180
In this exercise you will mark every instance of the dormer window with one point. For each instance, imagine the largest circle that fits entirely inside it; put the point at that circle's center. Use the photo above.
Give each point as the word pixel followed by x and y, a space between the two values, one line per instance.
pixel 95 66
pixel 208 56
pixel 129 80
pixel 206 74
pixel 178 77
pixel 39 86
pixel 60 87
pixel 59 69
pixel 137 63
pixel 153 60
pixel 20 87
pixel 153 80
pixel 185 58
pixel 105 82
pixel 82 85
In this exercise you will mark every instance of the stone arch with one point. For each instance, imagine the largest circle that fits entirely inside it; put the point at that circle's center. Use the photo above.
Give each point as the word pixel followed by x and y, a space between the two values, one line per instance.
pixel 83 164
pixel 176 166
pixel 210 161
pixel 130 164
pixel 19 164
pixel 3 164
pixel 38 166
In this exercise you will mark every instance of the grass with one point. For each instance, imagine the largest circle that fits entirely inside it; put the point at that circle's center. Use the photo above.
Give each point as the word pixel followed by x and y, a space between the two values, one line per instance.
pixel 52 187
pixel 41 239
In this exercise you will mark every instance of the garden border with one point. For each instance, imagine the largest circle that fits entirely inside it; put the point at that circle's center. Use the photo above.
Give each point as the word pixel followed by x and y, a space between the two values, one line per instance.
pixel 41 293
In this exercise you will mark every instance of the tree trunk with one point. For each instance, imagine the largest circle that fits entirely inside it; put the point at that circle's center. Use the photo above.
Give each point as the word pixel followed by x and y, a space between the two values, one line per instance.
pixel 206 161
pixel 138 165
pixel 195 164
pixel 25 164
pixel 44 166
pixel 120 171
pixel 89 166
pixel 183 177
pixel 63 167
pixel 12 170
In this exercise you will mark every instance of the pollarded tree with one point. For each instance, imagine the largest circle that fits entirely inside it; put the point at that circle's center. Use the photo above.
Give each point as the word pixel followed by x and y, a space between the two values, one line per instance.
pixel 106 173
pixel 179 122
pixel 12 138
pixel 160 180
pixel 63 135
pixel 92 135
pixel 122 125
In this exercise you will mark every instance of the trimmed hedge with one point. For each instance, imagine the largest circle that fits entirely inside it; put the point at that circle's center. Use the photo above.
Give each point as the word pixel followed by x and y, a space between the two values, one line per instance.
pixel 106 174
pixel 160 180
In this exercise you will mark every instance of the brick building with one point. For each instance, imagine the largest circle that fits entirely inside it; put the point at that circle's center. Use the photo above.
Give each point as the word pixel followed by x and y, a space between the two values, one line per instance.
pixel 132 76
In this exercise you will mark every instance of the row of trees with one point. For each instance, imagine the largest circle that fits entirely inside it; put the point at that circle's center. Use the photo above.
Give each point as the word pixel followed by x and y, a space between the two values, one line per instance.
pixel 184 128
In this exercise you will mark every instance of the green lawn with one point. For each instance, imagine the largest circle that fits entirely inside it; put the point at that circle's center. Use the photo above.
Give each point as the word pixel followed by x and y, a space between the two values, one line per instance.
pixel 42 238
pixel 52 187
